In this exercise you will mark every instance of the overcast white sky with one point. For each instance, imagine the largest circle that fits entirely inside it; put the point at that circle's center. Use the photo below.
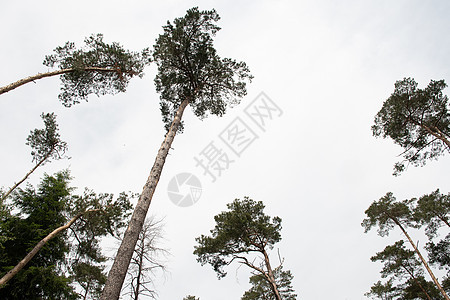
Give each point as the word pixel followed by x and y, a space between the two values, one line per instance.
pixel 328 65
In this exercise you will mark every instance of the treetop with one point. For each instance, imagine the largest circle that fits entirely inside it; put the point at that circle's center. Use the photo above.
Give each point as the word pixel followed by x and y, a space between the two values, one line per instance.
pixel 190 69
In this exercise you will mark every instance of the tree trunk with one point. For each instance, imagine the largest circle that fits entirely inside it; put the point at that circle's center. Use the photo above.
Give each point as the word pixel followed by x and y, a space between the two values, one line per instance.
pixel 416 281
pixel 423 261
pixel 124 254
pixel 140 254
pixel 29 79
pixel 38 247
pixel 438 135
pixel 26 176
pixel 272 282
pixel 445 221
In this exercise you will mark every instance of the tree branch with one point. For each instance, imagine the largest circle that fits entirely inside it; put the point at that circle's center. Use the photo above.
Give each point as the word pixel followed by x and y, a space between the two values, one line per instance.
pixel 26 176
pixel 29 79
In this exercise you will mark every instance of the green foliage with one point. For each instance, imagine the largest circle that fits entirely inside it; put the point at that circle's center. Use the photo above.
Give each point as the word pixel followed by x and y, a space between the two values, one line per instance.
pixel 99 68
pixel 412 289
pixel 386 213
pixel 41 211
pixel 384 291
pixel 91 278
pixel 46 143
pixel 241 230
pixel 189 67
pixel 36 283
pixel 401 264
pixel 261 289
pixel 439 253
pixel 416 119
pixel 4 213
pixel 432 211
pixel 398 261
pixel 75 253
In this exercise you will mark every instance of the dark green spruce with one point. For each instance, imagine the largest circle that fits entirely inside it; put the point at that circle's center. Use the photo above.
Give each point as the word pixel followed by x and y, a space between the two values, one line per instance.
pixel 49 240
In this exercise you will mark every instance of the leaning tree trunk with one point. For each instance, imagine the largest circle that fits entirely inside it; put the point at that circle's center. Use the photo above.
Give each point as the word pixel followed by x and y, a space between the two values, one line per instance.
pixel 29 79
pixel 119 268
pixel 436 282
pixel 416 281
pixel 11 273
pixel 26 175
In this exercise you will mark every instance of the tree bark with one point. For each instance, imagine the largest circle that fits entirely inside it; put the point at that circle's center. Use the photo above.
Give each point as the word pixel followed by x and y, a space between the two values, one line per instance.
pixel 438 134
pixel 38 247
pixel 273 284
pixel 124 254
pixel 436 282
pixel 29 79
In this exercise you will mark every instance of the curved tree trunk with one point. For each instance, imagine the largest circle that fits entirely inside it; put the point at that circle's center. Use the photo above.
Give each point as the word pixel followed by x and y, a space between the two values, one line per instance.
pixel 29 79
pixel 119 268
pixel 38 247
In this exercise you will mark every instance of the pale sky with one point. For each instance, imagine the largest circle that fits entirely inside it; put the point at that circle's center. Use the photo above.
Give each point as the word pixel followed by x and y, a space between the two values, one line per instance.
pixel 327 65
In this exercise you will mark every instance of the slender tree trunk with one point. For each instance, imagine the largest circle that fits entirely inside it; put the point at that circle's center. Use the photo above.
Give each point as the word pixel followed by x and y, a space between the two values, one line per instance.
pixel 416 281
pixel 38 247
pixel 26 176
pixel 119 268
pixel 423 261
pixel 29 79
pixel 140 264
pixel 273 283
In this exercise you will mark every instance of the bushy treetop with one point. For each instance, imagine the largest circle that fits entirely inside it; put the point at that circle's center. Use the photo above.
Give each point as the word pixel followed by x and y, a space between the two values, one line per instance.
pixel 190 69
pixel 99 68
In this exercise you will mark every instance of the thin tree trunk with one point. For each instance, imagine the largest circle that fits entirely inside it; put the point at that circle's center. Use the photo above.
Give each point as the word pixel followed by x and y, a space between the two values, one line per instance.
pixel 26 176
pixel 124 254
pixel 29 79
pixel 140 263
pixel 38 247
pixel 416 281
pixel 273 284
pixel 423 261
